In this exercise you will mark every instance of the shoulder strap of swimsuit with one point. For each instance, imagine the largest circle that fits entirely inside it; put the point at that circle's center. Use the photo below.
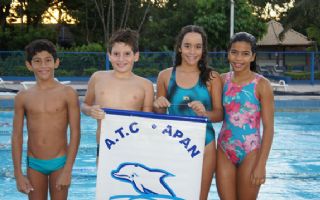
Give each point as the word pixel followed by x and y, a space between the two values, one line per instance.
pixel 172 82
pixel 228 77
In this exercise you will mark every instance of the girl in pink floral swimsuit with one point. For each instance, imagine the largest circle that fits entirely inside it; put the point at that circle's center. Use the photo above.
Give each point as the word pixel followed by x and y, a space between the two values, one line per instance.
pixel 240 132
pixel 247 100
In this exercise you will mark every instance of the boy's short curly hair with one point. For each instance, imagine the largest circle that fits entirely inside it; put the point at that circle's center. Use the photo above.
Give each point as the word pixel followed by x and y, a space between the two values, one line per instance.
pixel 127 36
pixel 39 45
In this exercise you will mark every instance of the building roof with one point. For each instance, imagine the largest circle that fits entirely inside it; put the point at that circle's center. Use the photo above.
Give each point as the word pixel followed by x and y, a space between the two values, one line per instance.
pixel 291 37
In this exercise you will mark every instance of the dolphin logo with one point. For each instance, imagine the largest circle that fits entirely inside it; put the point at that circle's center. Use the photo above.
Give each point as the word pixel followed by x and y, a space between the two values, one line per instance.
pixel 144 179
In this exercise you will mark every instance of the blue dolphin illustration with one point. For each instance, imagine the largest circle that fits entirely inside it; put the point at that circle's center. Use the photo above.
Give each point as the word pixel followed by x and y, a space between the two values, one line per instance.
pixel 144 179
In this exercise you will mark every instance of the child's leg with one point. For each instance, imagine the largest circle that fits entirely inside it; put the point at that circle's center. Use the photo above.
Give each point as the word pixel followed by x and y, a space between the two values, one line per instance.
pixel 209 165
pixel 39 183
pixel 225 176
pixel 55 193
pixel 246 190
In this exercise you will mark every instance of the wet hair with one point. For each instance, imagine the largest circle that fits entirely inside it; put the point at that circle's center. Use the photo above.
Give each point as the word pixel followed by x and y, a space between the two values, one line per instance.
pixel 39 45
pixel 203 62
pixel 245 37
pixel 127 36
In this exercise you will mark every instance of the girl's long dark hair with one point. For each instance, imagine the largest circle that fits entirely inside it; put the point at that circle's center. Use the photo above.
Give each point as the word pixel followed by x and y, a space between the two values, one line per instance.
pixel 203 62
pixel 246 37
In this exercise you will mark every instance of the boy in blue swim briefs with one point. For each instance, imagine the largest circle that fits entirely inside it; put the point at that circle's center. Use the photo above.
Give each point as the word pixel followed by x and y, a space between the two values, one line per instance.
pixel 49 108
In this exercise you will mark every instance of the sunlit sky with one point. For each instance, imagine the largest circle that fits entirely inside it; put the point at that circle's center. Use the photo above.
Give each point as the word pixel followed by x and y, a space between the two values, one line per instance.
pixel 51 16
pixel 274 12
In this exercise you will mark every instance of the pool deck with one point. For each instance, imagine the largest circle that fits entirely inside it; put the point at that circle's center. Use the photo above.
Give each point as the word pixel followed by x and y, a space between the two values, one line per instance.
pixel 289 92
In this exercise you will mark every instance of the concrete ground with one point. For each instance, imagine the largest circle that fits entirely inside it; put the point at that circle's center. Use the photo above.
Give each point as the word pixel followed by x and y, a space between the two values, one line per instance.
pixel 287 92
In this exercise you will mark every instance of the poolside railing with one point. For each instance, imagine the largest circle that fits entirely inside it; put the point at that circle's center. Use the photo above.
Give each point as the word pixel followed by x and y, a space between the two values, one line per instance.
pixel 288 66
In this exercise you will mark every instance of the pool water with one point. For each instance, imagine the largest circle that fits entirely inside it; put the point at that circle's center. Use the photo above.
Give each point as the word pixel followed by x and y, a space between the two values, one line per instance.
pixel 293 168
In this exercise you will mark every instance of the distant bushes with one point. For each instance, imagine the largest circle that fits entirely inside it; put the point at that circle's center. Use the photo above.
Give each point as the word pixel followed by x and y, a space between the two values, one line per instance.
pixel 302 75
pixel 93 57
pixel 92 47
pixel 16 39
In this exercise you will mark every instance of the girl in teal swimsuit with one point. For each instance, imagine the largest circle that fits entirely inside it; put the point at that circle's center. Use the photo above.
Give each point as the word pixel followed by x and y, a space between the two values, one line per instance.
pixel 247 99
pixel 190 88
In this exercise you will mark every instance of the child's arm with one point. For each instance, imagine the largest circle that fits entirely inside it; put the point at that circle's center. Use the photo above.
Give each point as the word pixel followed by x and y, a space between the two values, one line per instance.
pixel 161 103
pixel 87 107
pixel 265 93
pixel 216 115
pixel 74 124
pixel 149 96
pixel 23 184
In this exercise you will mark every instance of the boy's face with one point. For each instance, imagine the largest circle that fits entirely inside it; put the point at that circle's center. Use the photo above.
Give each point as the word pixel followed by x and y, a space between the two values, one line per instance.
pixel 122 57
pixel 43 65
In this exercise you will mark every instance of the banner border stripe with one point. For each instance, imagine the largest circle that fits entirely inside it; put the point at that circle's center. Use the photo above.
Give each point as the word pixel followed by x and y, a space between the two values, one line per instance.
pixel 155 116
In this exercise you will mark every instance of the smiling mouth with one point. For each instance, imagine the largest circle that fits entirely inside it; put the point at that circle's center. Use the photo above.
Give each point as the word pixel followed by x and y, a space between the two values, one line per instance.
pixel 44 72
pixel 237 65
pixel 121 65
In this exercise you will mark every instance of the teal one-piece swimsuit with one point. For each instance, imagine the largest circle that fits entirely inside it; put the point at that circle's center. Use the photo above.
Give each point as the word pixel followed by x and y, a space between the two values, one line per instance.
pixel 179 98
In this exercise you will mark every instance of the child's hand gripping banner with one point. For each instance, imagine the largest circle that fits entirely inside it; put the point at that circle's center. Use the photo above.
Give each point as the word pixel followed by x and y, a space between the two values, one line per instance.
pixel 150 156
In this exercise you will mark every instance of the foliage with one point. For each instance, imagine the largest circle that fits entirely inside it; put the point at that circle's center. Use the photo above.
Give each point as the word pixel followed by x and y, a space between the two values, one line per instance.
pixel 314 33
pixel 76 63
pixel 4 13
pixel 71 64
pixel 302 75
pixel 146 71
pixel 214 16
pixel 164 23
pixel 13 64
pixel 63 72
pixel 13 39
pixel 92 47
pixel 158 23
pixel 89 71
pixel 265 8
pixel 305 13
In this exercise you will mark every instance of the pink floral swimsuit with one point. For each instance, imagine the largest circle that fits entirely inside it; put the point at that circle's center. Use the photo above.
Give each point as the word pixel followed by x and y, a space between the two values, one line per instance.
pixel 240 131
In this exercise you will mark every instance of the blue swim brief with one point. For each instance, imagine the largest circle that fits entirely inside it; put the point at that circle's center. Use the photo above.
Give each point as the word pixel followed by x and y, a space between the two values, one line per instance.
pixel 46 167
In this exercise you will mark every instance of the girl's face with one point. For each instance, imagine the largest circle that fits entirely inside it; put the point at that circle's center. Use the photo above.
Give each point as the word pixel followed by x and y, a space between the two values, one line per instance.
pixel 240 56
pixel 191 49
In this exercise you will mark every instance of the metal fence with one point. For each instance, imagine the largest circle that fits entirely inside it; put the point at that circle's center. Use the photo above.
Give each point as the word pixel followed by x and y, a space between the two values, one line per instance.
pixel 288 66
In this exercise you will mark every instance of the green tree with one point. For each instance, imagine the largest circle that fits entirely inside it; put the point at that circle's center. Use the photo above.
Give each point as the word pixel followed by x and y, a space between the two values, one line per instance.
pixel 33 10
pixel 213 15
pixel 4 13
pixel 158 21
pixel 264 8
pixel 303 14
pixel 87 28
pixel 164 21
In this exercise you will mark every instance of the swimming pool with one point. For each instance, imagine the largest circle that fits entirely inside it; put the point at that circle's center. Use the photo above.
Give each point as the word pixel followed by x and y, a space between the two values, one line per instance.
pixel 293 170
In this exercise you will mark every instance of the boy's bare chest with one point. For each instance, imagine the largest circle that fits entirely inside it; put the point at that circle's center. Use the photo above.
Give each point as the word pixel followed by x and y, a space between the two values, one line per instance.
pixel 45 103
pixel 111 94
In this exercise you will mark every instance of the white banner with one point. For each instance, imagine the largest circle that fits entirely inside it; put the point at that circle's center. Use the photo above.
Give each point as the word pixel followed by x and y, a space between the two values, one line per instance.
pixel 150 156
